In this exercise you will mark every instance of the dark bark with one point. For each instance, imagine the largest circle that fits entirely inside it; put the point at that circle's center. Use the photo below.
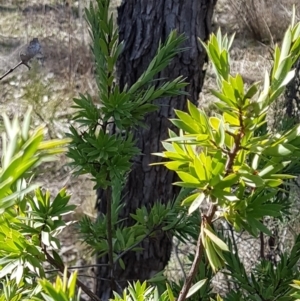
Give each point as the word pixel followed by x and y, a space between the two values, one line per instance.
pixel 292 94
pixel 142 24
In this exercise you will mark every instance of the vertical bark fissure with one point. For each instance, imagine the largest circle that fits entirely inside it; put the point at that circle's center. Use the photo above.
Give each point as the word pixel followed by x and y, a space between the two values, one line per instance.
pixel 142 24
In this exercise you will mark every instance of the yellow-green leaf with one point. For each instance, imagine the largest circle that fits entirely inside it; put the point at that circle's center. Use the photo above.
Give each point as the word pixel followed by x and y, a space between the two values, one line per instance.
pixel 197 202
pixel 216 240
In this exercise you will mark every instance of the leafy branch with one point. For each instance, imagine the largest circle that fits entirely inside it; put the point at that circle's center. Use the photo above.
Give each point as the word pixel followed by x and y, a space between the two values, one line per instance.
pixel 213 154
pixel 107 154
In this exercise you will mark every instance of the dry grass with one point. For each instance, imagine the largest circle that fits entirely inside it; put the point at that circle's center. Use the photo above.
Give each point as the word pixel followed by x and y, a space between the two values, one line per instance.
pixel 49 89
pixel 264 20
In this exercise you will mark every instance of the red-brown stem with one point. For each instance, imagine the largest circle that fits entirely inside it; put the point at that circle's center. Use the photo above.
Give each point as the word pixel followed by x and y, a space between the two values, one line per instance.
pixel 198 256
pixel 210 214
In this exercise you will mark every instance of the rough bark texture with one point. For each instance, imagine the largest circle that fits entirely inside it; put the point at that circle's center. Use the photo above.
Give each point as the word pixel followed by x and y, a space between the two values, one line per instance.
pixel 292 94
pixel 142 24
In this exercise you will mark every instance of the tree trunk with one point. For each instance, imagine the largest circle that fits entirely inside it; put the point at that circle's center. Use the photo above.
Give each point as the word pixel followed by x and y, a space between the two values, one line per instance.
pixel 292 95
pixel 142 24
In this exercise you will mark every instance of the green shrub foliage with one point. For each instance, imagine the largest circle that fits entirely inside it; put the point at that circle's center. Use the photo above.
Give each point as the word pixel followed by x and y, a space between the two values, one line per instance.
pixel 229 161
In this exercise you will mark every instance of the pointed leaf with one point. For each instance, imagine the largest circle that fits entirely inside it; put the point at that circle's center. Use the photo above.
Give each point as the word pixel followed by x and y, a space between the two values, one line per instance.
pixel 196 287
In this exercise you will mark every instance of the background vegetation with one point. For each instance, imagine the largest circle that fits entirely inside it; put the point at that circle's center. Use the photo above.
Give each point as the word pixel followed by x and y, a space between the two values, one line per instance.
pixel 67 70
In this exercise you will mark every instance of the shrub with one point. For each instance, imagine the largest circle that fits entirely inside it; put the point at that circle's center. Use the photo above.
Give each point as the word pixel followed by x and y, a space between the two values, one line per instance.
pixel 229 160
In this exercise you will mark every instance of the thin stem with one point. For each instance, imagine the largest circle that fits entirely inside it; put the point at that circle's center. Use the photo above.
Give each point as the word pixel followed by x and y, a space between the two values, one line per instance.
pixel 211 212
pixel 198 256
pixel 12 69
pixel 234 247
pixel 233 239
pixel 192 273
pixel 79 267
pixel 61 268
pixel 110 236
